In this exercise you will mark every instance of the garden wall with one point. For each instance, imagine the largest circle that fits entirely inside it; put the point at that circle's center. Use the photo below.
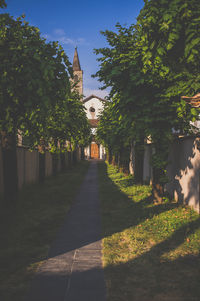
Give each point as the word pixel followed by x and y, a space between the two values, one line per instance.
pixel 183 171
pixel 1 173
pixel 28 165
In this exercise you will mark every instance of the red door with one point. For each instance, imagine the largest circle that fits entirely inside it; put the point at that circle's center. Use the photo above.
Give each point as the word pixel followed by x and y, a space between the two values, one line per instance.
pixel 94 151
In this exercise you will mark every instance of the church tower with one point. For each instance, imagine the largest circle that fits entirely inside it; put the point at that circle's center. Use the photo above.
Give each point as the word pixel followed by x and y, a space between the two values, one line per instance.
pixel 78 73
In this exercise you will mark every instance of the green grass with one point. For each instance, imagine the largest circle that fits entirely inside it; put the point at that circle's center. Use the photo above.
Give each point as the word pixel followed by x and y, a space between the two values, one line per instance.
pixel 150 252
pixel 27 231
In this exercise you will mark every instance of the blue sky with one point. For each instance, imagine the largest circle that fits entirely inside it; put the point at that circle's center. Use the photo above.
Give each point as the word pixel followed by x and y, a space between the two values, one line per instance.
pixel 77 23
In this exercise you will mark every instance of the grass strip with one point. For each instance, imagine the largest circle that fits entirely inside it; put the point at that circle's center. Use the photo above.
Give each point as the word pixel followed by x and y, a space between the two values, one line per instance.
pixel 27 231
pixel 150 252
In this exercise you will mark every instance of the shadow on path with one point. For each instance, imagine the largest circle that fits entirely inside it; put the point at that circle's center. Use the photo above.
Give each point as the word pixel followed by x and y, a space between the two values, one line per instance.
pixel 73 270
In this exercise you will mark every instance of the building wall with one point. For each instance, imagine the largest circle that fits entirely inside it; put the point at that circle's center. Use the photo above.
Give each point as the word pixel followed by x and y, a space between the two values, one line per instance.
pixel 87 152
pixel 96 104
pixel 102 152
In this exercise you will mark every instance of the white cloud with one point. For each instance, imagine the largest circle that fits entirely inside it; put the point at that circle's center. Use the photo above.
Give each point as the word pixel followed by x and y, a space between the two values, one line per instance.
pixel 66 41
pixel 59 32
pixel 60 35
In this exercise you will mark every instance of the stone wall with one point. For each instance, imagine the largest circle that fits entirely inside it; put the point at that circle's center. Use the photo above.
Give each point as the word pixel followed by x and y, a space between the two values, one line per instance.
pixel 183 171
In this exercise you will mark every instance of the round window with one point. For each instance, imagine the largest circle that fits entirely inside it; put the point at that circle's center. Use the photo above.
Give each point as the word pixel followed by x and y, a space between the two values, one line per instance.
pixel 92 109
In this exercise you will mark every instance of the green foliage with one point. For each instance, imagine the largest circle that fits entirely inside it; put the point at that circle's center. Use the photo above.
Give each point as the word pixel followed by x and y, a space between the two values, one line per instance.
pixel 149 66
pixel 36 96
pixel 3 3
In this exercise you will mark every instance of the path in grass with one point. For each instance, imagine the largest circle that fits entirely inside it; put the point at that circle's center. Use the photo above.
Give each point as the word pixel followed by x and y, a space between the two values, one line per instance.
pixel 73 270
pixel 150 252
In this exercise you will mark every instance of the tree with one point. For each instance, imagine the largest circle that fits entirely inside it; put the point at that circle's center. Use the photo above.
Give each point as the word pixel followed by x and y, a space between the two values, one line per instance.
pixel 34 75
pixel 120 68
pixel 168 37
pixel 150 65
pixel 3 3
pixel 115 133
pixel 67 122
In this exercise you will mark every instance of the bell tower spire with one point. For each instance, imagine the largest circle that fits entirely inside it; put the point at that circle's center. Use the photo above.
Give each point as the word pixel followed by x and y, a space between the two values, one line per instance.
pixel 78 73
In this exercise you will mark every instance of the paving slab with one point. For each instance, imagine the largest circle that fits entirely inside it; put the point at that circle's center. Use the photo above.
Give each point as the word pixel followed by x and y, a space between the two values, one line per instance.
pixel 73 270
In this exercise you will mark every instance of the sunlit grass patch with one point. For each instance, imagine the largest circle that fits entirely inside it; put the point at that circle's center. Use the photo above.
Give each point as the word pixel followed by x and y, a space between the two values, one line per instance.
pixel 150 252
pixel 27 231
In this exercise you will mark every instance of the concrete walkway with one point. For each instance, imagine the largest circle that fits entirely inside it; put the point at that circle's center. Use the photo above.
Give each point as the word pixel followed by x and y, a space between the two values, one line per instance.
pixel 73 271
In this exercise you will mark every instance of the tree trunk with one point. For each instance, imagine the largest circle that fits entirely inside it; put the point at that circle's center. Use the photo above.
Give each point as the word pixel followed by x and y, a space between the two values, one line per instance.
pixel 124 160
pixel 157 192
pixel 10 174
pixel 55 159
pixel 41 149
pixel 139 162
pixel 113 160
pixel 63 162
pixel 160 161
pixel 82 153
pixel 74 156
pixel 116 159
pixel 109 155
pixel 157 185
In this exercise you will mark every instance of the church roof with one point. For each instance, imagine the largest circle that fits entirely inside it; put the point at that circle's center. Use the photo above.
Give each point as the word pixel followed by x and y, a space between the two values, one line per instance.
pixel 93 96
pixel 76 63
pixel 193 101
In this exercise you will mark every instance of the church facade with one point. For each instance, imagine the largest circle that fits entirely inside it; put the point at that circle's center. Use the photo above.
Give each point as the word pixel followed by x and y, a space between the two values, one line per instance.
pixel 94 106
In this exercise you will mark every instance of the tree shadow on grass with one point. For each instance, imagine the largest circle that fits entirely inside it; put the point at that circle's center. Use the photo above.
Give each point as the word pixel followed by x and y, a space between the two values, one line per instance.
pixel 82 226
pixel 147 277
pixel 120 211
pixel 151 276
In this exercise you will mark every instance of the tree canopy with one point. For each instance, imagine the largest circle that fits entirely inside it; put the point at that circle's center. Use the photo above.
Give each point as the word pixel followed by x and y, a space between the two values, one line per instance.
pixel 149 66
pixel 36 98
pixel 35 89
pixel 3 3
